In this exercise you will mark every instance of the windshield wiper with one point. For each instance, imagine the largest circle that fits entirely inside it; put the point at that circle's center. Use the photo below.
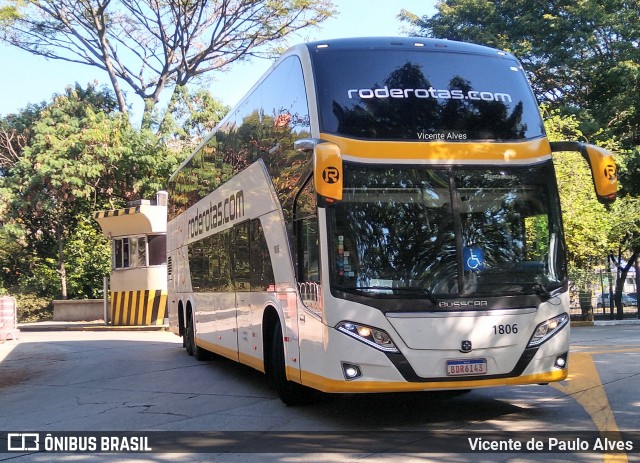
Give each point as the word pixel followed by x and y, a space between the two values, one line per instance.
pixel 424 291
pixel 542 291
pixel 373 288
pixel 419 291
pixel 547 291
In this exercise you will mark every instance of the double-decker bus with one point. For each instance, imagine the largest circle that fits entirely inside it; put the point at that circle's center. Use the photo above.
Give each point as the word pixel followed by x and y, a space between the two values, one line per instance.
pixel 378 215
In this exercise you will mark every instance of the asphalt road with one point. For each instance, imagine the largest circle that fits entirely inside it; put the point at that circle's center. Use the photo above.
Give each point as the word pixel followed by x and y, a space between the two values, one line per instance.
pixel 111 381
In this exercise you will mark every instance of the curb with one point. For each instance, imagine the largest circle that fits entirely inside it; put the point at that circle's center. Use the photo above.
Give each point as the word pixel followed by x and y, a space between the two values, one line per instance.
pixel 605 323
pixel 575 324
pixel 616 322
pixel 86 326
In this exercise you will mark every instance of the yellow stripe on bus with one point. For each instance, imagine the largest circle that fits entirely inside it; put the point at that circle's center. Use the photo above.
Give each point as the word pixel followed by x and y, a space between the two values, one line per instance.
pixel 217 349
pixel 444 152
pixel 332 385
pixel 340 386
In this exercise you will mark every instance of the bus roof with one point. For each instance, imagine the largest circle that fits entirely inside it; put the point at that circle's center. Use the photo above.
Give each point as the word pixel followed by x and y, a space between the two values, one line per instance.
pixel 360 43
pixel 406 43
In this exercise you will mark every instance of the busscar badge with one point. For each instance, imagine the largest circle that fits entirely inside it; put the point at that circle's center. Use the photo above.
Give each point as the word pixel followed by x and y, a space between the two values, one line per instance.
pixel 465 346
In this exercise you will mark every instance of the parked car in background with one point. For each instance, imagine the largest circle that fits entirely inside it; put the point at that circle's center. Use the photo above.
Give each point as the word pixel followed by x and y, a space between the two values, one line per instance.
pixel 627 300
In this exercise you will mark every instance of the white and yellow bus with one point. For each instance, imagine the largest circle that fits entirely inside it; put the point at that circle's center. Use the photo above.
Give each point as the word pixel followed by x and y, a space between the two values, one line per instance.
pixel 378 215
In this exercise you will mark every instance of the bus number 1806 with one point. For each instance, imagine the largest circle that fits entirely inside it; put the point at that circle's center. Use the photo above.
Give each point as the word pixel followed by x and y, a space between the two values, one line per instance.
pixel 505 329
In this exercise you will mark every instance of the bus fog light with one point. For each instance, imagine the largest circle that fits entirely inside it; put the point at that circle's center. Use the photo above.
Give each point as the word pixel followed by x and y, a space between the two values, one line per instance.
pixel 369 335
pixel 561 361
pixel 547 329
pixel 351 371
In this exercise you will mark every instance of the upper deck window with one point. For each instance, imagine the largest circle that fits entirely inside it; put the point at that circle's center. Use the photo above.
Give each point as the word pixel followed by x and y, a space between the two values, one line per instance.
pixel 424 96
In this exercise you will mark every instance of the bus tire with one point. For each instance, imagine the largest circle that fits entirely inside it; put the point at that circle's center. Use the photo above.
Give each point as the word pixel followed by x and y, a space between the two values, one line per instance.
pixel 198 352
pixel 289 392
pixel 189 337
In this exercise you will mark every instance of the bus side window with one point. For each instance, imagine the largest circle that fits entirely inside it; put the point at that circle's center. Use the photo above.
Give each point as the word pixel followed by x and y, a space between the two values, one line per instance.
pixel 306 226
pixel 220 262
pixel 241 269
pixel 261 268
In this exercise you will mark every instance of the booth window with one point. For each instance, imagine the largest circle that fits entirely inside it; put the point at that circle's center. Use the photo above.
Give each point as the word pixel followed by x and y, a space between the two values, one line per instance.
pixel 139 251
pixel 157 249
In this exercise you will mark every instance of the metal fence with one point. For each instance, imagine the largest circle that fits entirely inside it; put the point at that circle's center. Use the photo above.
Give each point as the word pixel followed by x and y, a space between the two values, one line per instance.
pixel 592 297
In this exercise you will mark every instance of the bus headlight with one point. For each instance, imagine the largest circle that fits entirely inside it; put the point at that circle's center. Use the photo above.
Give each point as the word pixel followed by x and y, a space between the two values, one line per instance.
pixel 373 337
pixel 547 329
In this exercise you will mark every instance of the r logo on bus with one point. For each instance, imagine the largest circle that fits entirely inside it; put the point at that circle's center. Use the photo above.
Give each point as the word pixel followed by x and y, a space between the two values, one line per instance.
pixel 610 172
pixel 331 175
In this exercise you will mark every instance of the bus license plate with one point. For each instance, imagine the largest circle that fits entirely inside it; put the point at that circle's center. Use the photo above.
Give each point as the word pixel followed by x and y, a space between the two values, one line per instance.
pixel 465 367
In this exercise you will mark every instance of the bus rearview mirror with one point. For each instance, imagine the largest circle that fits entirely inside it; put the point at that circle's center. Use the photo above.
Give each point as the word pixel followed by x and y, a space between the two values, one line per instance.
pixel 328 170
pixel 603 167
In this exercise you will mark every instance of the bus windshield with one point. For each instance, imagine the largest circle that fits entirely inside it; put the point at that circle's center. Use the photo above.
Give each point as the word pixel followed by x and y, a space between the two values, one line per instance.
pixel 415 231
pixel 424 96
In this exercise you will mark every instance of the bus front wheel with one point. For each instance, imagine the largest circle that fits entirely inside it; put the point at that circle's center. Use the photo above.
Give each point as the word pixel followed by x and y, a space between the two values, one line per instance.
pixel 289 392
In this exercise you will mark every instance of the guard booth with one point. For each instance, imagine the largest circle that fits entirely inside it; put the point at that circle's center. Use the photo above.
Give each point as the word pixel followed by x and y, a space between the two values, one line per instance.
pixel 138 278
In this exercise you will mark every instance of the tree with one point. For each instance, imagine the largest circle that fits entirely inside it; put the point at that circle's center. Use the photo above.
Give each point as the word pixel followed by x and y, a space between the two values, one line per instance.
pixel 626 233
pixel 586 221
pixel 83 155
pixel 192 118
pixel 152 46
pixel 580 56
pixel 15 135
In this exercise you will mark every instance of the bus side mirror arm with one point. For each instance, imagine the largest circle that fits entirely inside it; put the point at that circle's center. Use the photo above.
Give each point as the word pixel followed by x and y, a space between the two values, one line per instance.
pixel 306 144
pixel 603 167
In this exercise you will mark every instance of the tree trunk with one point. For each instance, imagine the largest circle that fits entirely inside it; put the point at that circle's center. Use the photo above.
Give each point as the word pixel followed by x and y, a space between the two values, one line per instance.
pixel 621 277
pixel 62 271
pixel 611 295
pixel 618 295
pixel 637 285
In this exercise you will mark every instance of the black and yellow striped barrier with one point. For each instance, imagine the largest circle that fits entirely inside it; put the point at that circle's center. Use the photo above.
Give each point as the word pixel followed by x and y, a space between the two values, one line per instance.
pixel 144 307
pixel 116 212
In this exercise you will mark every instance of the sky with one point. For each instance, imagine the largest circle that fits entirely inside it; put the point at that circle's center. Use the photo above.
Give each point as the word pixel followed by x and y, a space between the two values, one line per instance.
pixel 29 79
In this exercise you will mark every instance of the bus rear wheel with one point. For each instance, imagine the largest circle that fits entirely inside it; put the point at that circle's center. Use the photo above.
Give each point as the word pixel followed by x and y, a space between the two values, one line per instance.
pixel 189 337
pixel 289 392
pixel 190 342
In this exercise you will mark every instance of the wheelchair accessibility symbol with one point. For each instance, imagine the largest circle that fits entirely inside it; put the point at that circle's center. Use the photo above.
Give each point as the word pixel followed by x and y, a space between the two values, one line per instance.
pixel 473 259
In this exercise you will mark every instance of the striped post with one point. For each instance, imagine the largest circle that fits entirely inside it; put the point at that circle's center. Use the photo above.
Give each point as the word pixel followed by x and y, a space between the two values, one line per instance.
pixel 143 307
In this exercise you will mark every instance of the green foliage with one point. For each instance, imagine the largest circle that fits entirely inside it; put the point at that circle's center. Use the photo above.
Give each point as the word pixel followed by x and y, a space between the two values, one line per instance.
pixel 628 170
pixel 33 308
pixel 41 279
pixel 586 222
pixel 82 155
pixel 8 14
pixel 15 134
pixel 190 117
pixel 87 258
